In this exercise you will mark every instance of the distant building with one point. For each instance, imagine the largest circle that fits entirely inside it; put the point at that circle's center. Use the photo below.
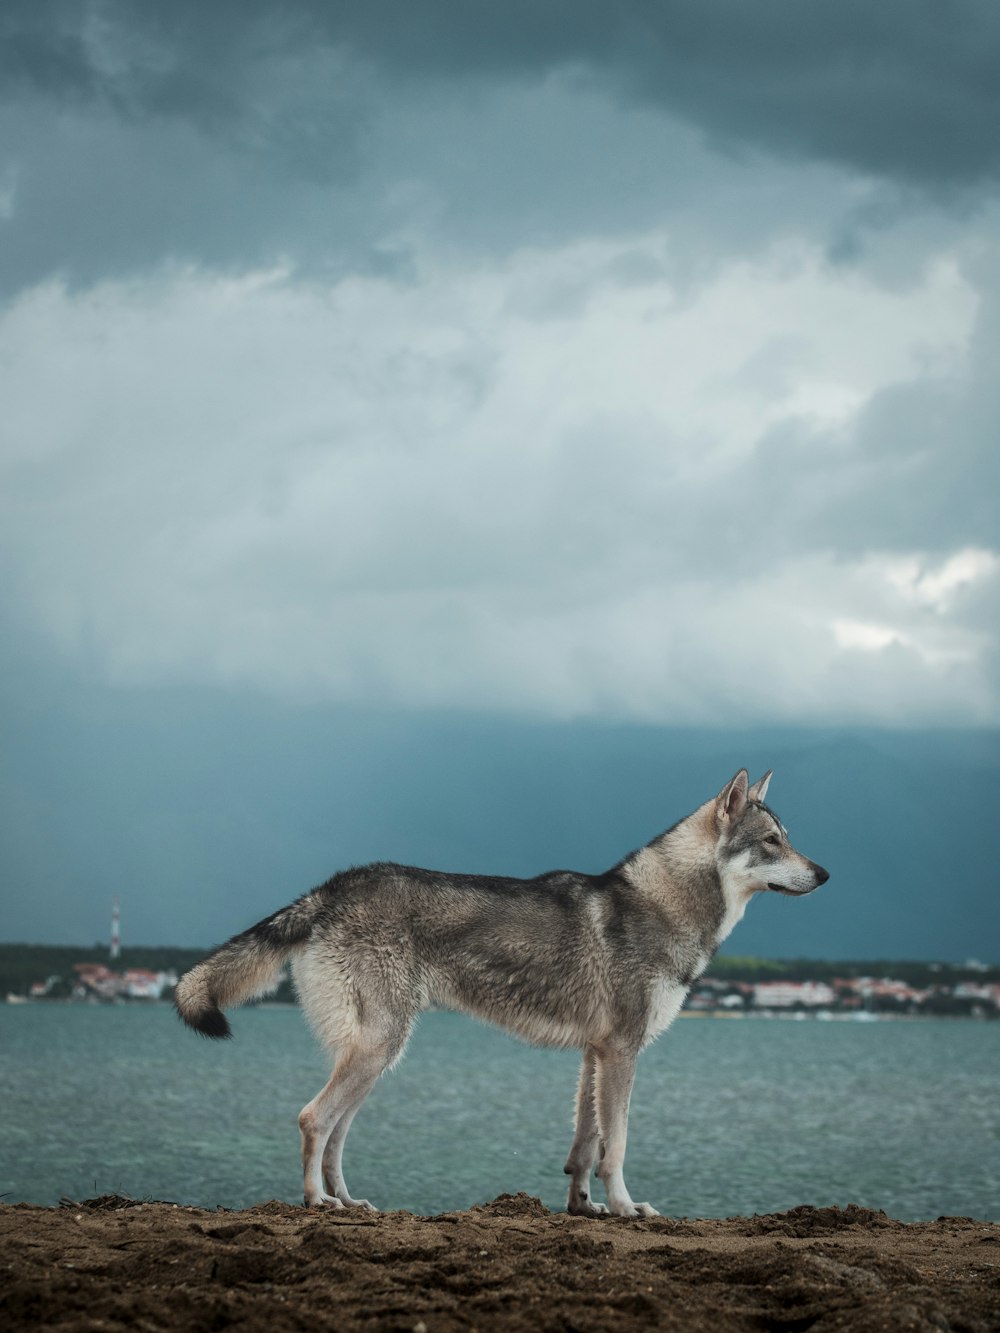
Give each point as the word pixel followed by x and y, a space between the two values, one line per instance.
pixel 709 994
pixel 985 993
pixel 140 984
pixel 793 994
pixel 97 980
pixel 135 983
pixel 879 992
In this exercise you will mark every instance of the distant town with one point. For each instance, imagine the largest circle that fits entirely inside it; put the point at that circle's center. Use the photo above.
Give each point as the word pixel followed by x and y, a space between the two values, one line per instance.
pixel 849 997
pixel 733 987
pixel 97 981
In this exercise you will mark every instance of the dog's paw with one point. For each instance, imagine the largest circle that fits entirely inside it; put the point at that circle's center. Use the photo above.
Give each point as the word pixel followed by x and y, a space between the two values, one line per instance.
pixel 586 1208
pixel 631 1209
pixel 323 1201
pixel 348 1202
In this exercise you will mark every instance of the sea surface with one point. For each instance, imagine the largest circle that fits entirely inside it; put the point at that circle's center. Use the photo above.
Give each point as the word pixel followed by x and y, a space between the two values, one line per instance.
pixel 728 1116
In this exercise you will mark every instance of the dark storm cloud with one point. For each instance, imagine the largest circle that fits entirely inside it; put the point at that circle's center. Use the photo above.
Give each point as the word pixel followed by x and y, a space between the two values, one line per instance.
pixel 91 197
pixel 901 90
pixel 907 91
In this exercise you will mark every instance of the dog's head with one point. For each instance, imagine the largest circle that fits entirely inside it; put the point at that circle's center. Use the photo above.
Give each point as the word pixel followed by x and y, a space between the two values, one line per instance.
pixel 753 850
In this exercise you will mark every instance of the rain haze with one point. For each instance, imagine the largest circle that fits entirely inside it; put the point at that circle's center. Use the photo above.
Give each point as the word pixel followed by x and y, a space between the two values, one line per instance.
pixel 466 435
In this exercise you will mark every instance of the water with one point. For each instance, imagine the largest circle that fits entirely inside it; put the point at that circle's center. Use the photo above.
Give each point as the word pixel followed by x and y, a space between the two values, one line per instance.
pixel 727 1118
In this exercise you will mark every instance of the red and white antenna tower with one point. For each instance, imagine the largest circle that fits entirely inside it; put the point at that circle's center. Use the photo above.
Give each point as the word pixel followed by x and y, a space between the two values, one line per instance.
pixel 116 932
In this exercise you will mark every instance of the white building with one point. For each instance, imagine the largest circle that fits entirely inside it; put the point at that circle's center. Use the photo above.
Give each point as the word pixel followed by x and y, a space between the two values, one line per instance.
pixel 788 994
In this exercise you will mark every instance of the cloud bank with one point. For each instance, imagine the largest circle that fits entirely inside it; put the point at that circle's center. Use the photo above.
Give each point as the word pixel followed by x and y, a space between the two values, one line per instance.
pixel 557 485
pixel 570 360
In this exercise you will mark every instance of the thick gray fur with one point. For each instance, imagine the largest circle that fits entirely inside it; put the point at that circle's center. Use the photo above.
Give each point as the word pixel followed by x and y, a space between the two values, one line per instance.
pixel 597 962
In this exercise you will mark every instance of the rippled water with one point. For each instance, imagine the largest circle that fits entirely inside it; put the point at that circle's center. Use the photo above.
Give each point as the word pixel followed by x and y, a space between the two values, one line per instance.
pixel 728 1117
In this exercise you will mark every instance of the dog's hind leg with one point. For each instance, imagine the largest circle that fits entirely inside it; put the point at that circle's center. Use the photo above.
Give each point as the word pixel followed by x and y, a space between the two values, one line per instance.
pixel 325 1121
pixel 333 1153
pixel 583 1153
pixel 613 1079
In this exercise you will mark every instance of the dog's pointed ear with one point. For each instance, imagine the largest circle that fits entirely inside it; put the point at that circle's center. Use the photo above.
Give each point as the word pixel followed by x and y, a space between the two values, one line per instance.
pixel 759 789
pixel 732 800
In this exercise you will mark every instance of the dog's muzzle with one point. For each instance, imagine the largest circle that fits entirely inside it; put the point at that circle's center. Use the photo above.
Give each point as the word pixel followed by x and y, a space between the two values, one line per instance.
pixel 820 875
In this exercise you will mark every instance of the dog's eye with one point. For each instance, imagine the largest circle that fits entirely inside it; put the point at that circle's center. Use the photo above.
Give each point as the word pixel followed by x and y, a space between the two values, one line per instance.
pixel 773 840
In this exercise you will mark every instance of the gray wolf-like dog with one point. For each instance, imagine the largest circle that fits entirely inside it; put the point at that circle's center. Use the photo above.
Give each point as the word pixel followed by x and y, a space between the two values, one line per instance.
pixel 597 962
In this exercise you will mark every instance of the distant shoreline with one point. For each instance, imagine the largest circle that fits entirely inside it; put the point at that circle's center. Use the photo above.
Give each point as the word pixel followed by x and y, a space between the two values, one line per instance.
pixel 756 1015
pixel 732 985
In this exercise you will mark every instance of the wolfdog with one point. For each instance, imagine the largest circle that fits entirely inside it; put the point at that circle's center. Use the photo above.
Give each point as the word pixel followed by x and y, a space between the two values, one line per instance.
pixel 598 962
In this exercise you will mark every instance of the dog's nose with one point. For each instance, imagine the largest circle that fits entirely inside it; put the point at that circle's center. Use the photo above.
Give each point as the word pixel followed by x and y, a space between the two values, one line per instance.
pixel 821 875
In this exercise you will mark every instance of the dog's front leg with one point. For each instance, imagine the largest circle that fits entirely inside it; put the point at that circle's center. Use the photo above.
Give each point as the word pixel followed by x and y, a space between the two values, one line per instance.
pixel 583 1153
pixel 613 1078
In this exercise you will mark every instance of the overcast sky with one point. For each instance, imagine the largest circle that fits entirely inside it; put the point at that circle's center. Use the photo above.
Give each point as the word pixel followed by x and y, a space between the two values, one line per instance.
pixel 566 362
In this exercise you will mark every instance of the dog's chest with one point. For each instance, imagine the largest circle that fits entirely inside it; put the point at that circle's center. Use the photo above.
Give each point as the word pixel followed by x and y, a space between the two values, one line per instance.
pixel 664 1005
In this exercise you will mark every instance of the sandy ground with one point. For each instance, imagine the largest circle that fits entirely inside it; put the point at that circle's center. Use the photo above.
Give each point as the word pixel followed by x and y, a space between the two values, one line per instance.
pixel 113 1263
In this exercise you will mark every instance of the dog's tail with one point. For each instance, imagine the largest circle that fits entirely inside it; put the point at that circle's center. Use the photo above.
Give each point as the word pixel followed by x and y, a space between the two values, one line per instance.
pixel 246 966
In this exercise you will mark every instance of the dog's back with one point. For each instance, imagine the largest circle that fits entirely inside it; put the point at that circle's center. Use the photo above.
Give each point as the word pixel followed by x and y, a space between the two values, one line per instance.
pixel 554 959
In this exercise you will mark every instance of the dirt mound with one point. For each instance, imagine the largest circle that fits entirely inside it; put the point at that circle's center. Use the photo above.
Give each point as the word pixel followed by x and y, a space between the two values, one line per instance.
pixel 114 1263
pixel 808 1221
pixel 512 1205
